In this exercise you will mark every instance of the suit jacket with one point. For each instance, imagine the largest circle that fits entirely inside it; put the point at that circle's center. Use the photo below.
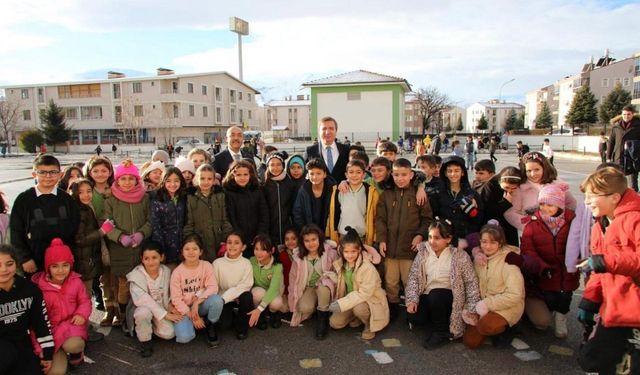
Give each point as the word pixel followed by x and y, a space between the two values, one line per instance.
pixel 223 159
pixel 339 166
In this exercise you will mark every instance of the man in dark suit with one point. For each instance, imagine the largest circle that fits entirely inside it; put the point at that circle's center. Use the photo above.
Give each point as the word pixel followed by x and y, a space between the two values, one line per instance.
pixel 222 160
pixel 335 155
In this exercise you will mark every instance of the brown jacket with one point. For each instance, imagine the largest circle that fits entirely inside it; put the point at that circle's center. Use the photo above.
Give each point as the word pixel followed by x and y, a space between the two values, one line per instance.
pixel 399 219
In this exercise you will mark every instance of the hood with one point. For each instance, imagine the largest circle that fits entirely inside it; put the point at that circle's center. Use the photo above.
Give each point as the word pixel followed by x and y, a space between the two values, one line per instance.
pixel 630 202
pixel 456 160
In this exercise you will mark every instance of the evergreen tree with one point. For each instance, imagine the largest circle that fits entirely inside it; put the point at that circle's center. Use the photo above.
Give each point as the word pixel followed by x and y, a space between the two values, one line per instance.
pixel 520 121
pixel 483 124
pixel 544 119
pixel 512 118
pixel 459 126
pixel 583 108
pixel 612 105
pixel 54 125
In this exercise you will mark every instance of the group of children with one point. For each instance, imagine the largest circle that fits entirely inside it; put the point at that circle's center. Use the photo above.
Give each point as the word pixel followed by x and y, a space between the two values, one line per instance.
pixel 186 249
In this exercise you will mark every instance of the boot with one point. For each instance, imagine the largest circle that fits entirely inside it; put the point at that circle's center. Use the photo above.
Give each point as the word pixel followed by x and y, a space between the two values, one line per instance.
pixel 275 319
pixel 92 335
pixel 146 349
pixel 121 317
pixel 212 335
pixel 393 311
pixel 560 325
pixel 322 324
pixel 76 359
pixel 107 321
pixel 367 334
pixel 436 340
pixel 263 321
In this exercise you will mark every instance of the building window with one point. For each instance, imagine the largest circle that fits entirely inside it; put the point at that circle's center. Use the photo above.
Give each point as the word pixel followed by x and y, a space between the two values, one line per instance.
pixel 205 111
pixel 232 96
pixel 190 88
pixel 232 116
pixel 118 114
pixel 26 115
pixel 91 112
pixel 137 111
pixel 605 82
pixel 116 91
pixel 24 93
pixel 353 95
pixel 176 111
pixel 239 95
pixel 71 113
pixel 89 137
pixel 626 82
pixel 636 90
pixel 249 114
pixel 204 90
pixel 40 95
pixel 248 97
pixel 192 110
pixel 137 87
pixel 218 94
pixel 174 87
pixel 241 118
pixel 618 80
pixel 218 115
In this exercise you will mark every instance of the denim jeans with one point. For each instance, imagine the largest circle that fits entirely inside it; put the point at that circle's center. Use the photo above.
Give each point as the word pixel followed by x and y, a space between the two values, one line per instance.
pixel 211 308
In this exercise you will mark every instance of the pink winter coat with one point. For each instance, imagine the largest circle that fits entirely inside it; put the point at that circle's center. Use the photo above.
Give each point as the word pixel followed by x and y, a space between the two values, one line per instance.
pixel 300 274
pixel 525 199
pixel 62 304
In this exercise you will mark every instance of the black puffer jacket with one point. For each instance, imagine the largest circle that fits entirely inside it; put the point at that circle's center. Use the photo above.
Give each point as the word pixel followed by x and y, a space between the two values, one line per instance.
pixel 448 205
pixel 280 196
pixel 248 212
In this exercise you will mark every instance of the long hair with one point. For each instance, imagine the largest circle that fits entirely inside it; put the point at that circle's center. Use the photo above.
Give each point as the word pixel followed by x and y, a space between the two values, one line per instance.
pixel 162 193
pixel 265 243
pixel 307 230
pixel 549 173
pixel 64 181
pixel 350 238
pixel 75 188
pixel 229 180
pixel 95 161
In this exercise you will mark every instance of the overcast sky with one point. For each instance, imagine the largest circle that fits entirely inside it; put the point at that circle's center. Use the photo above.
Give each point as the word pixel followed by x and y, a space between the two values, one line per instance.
pixel 467 49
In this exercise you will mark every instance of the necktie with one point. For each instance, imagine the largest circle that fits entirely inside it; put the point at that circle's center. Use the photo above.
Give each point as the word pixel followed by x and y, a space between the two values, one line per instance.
pixel 329 159
pixel 236 156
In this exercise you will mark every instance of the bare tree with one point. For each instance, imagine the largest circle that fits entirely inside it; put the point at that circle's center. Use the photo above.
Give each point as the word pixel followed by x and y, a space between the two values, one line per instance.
pixel 132 121
pixel 431 103
pixel 9 112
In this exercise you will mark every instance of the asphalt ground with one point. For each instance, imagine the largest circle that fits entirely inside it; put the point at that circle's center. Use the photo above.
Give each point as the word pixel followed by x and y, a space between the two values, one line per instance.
pixel 277 351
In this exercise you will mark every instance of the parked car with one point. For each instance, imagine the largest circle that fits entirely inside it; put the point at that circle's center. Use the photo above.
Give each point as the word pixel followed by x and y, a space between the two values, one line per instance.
pixel 189 144
pixel 567 131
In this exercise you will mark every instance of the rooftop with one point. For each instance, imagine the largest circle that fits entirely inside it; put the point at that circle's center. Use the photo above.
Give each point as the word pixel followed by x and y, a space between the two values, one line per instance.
pixel 357 77
pixel 288 103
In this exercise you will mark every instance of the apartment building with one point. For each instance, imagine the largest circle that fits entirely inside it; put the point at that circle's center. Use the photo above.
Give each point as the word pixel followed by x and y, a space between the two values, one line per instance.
pixel 636 82
pixel 536 99
pixel 413 118
pixel 290 116
pixel 495 111
pixel 157 109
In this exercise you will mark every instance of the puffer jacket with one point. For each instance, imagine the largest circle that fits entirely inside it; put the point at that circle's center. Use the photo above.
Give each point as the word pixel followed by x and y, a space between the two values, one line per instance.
pixel 167 220
pixel 464 285
pixel 544 251
pixel 367 287
pixel 248 212
pixel 128 218
pixel 207 217
pixel 502 285
pixel 62 304
pixel 280 196
pixel 613 289
pixel 87 252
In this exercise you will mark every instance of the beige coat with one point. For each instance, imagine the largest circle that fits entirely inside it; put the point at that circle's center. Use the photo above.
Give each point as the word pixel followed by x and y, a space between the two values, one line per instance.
pixel 502 285
pixel 367 287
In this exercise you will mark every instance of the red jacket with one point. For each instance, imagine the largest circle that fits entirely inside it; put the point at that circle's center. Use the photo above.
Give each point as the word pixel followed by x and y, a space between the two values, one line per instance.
pixel 286 261
pixel 544 251
pixel 617 291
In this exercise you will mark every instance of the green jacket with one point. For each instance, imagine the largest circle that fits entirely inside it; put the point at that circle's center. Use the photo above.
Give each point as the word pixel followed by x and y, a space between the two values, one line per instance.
pixel 128 218
pixel 268 278
pixel 207 217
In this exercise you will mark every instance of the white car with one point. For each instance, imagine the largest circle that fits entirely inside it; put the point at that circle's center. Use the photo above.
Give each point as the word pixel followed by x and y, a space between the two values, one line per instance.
pixel 567 131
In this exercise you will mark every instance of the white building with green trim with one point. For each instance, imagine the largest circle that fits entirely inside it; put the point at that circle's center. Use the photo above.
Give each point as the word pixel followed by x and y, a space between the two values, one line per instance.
pixel 364 104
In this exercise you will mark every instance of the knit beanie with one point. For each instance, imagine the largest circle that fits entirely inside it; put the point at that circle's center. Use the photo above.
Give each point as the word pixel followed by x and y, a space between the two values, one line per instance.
pixel 295 159
pixel 160 155
pixel 184 164
pixel 552 195
pixel 152 166
pixel 126 168
pixel 57 252
pixel 280 155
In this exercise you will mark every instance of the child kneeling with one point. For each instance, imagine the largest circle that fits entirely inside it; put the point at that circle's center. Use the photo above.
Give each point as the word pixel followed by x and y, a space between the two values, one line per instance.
pixel 149 288
pixel 359 294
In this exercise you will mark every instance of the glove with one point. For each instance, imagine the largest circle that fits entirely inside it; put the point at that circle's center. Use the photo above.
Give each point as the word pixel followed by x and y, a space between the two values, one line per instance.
pixel 481 308
pixel 125 240
pixel 585 317
pixel 107 226
pixel 547 273
pixel 478 257
pixel 469 207
pixel 334 306
pixel 136 238
pixel 514 259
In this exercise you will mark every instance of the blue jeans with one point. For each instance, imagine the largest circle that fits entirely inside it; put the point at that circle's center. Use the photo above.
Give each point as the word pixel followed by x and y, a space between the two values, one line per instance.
pixel 211 308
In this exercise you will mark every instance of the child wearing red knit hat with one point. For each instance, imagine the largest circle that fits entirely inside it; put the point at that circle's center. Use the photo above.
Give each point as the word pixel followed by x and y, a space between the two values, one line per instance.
pixel 68 305
pixel 543 246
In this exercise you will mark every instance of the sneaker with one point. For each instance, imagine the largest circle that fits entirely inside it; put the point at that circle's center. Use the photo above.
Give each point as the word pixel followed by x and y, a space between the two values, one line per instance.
pixel 560 325
pixel 146 349
pixel 212 336
pixel 76 359
pixel 263 321
pixel 242 335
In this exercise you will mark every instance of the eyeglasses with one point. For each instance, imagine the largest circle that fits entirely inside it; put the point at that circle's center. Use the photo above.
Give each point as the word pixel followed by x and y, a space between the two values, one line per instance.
pixel 47 173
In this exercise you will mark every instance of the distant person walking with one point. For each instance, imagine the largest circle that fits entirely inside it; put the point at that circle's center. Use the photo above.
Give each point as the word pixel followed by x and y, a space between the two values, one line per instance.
pixel 98 150
pixel 114 149
pixel 602 147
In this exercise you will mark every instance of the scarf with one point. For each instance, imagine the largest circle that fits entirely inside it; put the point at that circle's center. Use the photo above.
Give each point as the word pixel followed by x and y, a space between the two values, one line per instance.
pixel 553 222
pixel 134 195
pixel 279 177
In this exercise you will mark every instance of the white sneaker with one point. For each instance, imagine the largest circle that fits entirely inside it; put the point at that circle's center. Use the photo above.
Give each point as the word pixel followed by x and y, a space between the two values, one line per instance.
pixel 560 325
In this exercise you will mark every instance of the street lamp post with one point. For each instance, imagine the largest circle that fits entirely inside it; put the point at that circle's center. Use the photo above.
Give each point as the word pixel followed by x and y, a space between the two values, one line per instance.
pixel 240 27
pixel 503 85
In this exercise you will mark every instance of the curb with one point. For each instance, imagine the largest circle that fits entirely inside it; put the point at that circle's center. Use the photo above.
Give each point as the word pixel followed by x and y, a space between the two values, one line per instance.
pixel 15 180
